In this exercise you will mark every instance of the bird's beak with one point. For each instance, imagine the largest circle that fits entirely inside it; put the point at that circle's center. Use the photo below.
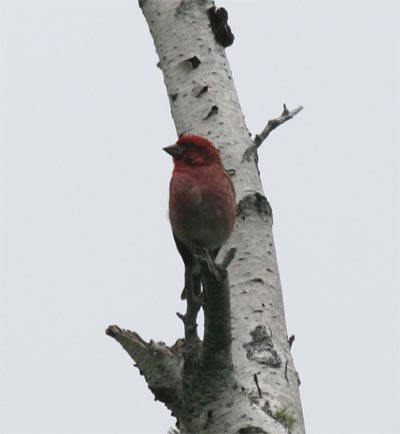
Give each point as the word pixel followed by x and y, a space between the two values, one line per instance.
pixel 173 150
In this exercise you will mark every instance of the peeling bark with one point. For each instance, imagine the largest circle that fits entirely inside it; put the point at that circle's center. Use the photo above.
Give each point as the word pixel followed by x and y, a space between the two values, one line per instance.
pixel 241 377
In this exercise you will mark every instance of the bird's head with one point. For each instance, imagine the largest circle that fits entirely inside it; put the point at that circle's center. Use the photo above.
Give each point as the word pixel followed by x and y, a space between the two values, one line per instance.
pixel 191 150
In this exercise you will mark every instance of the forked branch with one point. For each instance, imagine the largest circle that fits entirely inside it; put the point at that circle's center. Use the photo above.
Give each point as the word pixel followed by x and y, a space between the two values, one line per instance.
pixel 271 125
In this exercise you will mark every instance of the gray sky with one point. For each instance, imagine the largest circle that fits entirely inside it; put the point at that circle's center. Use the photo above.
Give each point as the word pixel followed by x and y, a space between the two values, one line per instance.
pixel 85 236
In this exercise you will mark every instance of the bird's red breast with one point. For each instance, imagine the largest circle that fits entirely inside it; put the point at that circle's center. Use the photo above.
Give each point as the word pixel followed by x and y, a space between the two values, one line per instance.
pixel 202 204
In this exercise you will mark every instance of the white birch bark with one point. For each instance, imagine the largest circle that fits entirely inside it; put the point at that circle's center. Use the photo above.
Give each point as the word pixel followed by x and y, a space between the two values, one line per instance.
pixel 264 395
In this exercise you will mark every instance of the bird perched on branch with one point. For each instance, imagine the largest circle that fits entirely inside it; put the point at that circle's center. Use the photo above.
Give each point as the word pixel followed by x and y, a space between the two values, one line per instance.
pixel 202 206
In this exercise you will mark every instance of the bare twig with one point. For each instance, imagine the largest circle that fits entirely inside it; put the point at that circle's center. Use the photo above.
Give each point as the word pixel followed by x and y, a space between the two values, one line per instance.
pixel 271 125
pixel 189 319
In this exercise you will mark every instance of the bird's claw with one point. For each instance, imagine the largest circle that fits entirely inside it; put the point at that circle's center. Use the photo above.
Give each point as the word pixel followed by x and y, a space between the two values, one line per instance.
pixel 202 255
pixel 196 299
pixel 219 272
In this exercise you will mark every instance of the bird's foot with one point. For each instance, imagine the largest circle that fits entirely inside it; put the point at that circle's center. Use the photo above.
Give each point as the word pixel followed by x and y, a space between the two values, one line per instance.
pixel 197 297
pixel 219 272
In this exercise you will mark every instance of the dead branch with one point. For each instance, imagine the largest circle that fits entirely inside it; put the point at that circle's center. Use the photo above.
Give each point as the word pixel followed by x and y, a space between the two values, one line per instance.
pixel 271 125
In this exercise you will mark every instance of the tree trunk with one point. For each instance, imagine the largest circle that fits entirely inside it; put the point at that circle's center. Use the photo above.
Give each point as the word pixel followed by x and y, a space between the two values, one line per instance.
pixel 241 377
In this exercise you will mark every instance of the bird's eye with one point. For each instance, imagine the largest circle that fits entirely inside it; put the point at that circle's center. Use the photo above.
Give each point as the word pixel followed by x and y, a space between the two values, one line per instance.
pixel 189 145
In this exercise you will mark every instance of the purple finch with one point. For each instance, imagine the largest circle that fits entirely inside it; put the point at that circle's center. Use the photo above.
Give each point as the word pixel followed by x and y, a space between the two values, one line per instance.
pixel 202 206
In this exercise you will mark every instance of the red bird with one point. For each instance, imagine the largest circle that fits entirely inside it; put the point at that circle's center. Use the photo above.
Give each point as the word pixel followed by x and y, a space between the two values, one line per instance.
pixel 202 206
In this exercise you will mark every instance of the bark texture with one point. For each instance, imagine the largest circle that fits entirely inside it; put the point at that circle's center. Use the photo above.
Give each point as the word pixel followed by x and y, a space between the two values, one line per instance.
pixel 241 378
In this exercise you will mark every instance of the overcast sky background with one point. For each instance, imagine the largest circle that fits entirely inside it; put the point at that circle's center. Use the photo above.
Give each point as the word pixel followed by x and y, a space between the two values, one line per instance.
pixel 85 239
